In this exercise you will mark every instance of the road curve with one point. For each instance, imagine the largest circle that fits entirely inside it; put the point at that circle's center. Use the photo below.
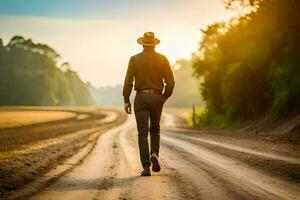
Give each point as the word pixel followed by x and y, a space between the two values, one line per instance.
pixel 189 171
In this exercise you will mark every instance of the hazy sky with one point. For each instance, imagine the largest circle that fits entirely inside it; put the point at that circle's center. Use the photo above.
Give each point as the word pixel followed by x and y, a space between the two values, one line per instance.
pixel 97 37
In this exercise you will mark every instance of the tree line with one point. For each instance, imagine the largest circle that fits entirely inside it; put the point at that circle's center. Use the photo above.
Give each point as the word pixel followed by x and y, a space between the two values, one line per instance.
pixel 250 66
pixel 30 75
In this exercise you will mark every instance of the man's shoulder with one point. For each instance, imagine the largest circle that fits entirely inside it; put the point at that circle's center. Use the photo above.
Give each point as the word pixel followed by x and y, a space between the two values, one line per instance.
pixel 162 58
pixel 136 55
pixel 160 55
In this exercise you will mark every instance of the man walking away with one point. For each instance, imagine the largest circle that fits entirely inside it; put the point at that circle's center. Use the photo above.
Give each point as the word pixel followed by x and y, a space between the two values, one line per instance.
pixel 151 74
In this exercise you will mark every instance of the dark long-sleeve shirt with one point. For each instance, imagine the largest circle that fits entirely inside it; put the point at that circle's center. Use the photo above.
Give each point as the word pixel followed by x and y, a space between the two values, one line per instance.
pixel 148 70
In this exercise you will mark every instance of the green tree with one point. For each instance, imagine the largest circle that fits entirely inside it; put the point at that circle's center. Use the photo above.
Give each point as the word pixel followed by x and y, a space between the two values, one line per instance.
pixel 29 76
pixel 250 65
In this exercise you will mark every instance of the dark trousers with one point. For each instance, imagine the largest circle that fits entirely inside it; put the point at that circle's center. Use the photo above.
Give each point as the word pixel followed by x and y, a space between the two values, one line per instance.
pixel 148 108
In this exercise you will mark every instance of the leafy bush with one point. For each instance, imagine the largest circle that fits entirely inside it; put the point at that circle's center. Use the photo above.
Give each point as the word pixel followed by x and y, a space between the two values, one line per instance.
pixel 207 117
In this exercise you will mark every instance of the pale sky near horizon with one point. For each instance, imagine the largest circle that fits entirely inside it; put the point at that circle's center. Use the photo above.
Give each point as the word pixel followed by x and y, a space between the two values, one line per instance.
pixel 97 37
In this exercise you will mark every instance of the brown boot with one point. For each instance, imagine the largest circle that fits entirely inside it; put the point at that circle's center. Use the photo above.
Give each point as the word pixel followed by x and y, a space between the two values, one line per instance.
pixel 146 172
pixel 155 163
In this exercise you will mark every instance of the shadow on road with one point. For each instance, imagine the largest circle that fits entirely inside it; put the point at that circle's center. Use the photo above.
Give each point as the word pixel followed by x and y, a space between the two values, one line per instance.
pixel 102 183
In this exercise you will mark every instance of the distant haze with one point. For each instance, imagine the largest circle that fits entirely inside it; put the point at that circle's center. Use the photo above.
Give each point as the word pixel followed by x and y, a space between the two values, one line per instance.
pixel 181 97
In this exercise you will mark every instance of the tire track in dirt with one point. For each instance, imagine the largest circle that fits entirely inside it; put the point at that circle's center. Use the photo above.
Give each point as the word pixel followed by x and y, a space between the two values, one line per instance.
pixel 290 160
pixel 93 175
pixel 248 178
pixel 274 163
pixel 191 181
pixel 202 181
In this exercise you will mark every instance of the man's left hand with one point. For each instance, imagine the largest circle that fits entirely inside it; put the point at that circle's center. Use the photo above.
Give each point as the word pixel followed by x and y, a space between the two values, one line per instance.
pixel 127 108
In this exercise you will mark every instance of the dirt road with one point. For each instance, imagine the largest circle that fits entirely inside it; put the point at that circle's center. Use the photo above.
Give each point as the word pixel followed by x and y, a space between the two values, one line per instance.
pixel 30 150
pixel 194 166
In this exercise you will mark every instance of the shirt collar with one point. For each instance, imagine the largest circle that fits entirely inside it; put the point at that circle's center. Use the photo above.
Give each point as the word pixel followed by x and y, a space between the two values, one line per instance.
pixel 148 50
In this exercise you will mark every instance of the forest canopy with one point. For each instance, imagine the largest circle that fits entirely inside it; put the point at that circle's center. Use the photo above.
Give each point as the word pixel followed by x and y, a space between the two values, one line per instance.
pixel 250 65
pixel 30 75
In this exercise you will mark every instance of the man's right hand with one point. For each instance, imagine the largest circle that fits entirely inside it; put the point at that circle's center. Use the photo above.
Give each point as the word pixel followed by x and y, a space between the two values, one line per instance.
pixel 127 108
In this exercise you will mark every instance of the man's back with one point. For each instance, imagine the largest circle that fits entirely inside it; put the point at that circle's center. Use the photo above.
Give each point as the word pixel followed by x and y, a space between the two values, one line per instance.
pixel 149 70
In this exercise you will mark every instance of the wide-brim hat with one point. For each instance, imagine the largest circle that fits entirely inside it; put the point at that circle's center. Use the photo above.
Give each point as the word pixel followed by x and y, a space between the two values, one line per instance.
pixel 148 39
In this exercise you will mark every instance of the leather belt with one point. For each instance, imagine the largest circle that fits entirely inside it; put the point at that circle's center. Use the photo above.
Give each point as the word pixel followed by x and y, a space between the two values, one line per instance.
pixel 150 91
